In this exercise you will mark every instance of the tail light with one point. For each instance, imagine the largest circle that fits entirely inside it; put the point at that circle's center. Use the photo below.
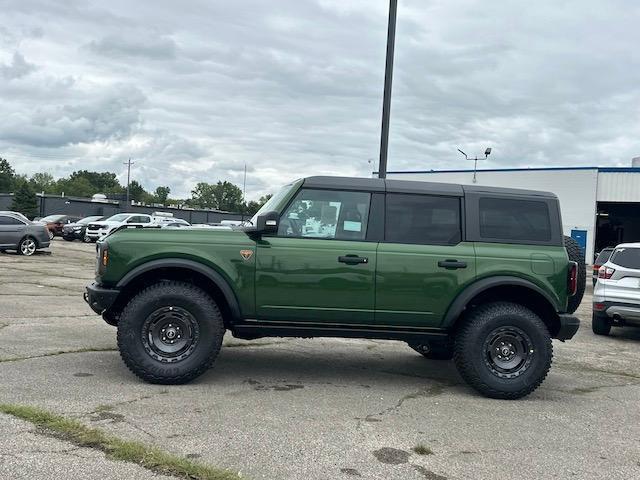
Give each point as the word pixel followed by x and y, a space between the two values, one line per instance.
pixel 573 278
pixel 606 272
pixel 596 268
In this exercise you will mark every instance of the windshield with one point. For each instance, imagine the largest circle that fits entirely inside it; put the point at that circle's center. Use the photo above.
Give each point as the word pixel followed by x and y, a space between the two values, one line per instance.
pixel 272 202
pixel 52 218
pixel 120 217
pixel 84 221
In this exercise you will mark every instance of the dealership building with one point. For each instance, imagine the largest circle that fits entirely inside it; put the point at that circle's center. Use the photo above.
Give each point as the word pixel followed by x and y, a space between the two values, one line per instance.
pixel 600 205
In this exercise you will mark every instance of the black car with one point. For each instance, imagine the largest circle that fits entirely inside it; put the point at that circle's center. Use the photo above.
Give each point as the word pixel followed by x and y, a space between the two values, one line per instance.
pixel 76 231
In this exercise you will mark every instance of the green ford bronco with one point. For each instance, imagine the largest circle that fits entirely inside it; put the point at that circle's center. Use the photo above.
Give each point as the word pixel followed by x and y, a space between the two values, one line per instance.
pixel 479 275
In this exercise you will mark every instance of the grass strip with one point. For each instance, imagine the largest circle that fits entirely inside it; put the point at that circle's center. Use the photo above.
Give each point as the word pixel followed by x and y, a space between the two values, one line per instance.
pixel 115 448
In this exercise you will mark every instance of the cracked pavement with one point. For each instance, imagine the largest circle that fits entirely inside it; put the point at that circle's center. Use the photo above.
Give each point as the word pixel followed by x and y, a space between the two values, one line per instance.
pixel 293 408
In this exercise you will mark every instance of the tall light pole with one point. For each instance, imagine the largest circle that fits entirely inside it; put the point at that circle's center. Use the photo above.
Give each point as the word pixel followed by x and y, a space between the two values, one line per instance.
pixel 128 164
pixel 388 78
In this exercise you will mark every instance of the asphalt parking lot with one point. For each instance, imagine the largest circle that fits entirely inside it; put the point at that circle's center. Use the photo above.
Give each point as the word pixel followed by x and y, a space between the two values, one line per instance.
pixel 301 409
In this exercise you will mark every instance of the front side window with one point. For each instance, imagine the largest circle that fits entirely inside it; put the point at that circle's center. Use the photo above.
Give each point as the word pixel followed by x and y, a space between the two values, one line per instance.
pixel 514 219
pixel 326 214
pixel 10 221
pixel 422 219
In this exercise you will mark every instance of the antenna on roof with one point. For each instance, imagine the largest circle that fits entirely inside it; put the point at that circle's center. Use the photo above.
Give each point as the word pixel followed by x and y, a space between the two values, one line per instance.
pixel 487 152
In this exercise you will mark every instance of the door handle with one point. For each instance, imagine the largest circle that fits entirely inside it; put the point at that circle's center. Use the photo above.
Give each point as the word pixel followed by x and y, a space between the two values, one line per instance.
pixel 352 259
pixel 450 264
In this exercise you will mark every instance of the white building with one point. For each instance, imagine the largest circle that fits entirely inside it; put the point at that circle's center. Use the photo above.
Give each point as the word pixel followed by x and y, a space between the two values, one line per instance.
pixel 600 205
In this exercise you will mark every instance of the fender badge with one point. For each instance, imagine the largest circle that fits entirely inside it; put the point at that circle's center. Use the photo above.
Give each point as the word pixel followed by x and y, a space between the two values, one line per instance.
pixel 246 254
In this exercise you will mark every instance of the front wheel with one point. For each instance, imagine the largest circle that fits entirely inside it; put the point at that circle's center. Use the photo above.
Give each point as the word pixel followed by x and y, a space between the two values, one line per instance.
pixel 170 333
pixel 503 350
pixel 27 247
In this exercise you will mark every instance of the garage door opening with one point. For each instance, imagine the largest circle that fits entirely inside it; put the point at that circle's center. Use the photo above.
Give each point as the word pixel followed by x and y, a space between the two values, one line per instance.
pixel 616 223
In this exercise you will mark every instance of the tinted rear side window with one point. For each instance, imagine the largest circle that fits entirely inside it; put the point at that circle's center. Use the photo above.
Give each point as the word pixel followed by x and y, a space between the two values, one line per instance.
pixel 603 257
pixel 626 257
pixel 514 219
pixel 10 221
pixel 422 219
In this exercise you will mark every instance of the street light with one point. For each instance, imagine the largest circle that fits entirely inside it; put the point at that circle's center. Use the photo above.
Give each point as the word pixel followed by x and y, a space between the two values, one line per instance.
pixel 487 152
pixel 388 78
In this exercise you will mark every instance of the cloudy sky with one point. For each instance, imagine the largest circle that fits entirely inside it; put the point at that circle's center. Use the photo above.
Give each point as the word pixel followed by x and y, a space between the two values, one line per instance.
pixel 193 90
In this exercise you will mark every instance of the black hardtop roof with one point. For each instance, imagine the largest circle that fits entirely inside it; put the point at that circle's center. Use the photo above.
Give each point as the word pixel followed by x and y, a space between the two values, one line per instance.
pixel 414 186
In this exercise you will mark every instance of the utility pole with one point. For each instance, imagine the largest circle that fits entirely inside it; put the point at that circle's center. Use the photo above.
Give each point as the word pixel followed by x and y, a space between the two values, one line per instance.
pixel 388 78
pixel 128 164
pixel 244 192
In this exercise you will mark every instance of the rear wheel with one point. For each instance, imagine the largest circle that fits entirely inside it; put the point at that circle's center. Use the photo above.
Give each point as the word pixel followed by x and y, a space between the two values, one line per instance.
pixel 575 253
pixel 503 350
pixel 600 324
pixel 51 234
pixel 27 246
pixel 170 333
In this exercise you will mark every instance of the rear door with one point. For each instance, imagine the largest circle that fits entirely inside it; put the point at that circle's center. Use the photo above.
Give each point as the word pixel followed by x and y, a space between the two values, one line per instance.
pixel 139 220
pixel 423 262
pixel 320 267
pixel 11 231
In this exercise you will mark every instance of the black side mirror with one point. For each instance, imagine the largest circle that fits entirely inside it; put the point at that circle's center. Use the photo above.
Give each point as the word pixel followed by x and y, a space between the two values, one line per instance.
pixel 267 222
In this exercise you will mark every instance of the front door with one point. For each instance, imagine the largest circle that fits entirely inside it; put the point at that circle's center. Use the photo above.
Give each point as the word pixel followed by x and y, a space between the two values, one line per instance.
pixel 11 231
pixel 319 267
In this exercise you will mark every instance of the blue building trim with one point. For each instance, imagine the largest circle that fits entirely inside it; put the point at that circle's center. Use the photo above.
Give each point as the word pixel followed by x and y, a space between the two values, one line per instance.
pixel 535 169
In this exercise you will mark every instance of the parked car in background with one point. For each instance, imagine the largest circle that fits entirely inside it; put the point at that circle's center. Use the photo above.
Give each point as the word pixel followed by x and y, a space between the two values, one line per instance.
pixel 616 296
pixel 601 259
pixel 98 230
pixel 19 233
pixel 77 230
pixel 173 222
pixel 55 223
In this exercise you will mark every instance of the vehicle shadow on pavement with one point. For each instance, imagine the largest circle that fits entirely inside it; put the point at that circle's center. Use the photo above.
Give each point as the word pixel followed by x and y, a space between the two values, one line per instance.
pixel 331 368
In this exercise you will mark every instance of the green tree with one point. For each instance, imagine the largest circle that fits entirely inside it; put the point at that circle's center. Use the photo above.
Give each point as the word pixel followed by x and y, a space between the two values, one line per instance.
pixel 138 193
pixel 75 187
pixel 42 182
pixel 7 176
pixel 24 200
pixel 253 206
pixel 161 194
pixel 221 196
pixel 103 182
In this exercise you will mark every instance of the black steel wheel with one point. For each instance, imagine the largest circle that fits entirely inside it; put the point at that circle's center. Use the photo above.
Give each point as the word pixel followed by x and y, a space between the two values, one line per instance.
pixel 508 352
pixel 503 350
pixel 170 333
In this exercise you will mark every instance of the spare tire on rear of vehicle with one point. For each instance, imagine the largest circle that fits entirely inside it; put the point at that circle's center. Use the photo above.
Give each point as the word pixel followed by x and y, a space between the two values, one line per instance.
pixel 576 255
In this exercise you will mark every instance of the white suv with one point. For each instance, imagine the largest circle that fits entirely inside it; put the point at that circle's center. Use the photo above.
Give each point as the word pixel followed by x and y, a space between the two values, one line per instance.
pixel 98 230
pixel 616 295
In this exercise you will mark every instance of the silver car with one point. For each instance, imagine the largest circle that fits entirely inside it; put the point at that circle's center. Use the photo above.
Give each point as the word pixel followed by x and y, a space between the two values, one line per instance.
pixel 18 233
pixel 616 295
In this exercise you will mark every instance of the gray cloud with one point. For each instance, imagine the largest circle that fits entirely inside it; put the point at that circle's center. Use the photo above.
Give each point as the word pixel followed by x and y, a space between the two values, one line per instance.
pixel 18 67
pixel 193 91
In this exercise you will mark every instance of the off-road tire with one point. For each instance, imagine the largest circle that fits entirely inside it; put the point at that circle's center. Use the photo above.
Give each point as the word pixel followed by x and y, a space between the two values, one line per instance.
pixel 473 362
pixel 182 295
pixel 600 325
pixel 575 253
pixel 436 351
